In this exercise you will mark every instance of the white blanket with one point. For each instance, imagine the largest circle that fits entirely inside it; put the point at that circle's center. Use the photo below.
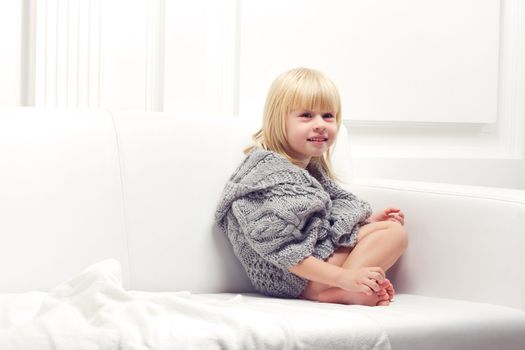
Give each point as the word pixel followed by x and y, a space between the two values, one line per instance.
pixel 93 311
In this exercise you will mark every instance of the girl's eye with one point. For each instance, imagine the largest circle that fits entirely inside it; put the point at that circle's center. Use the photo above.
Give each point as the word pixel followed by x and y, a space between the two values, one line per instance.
pixel 306 115
pixel 328 116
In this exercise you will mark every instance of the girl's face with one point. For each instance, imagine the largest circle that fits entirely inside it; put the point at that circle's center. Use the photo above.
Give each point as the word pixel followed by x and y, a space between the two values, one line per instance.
pixel 309 134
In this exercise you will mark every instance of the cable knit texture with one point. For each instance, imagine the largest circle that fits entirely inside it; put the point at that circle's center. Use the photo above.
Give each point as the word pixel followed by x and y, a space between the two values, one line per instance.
pixel 276 214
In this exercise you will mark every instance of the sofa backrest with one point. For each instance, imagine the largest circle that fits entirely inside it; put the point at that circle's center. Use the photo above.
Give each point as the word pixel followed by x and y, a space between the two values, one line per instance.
pixel 79 187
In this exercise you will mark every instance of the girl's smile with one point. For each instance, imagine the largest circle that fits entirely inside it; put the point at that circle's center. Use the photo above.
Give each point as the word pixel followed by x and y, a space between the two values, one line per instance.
pixel 318 139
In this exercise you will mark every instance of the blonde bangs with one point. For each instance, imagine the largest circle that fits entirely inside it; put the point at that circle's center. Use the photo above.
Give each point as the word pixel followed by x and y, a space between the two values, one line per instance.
pixel 311 90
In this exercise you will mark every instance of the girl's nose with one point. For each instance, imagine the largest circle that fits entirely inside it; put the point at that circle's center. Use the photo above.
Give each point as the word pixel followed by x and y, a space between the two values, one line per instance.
pixel 320 128
pixel 319 124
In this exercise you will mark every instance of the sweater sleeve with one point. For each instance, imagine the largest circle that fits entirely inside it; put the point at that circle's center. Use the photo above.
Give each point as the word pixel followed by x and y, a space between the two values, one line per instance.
pixel 349 213
pixel 284 223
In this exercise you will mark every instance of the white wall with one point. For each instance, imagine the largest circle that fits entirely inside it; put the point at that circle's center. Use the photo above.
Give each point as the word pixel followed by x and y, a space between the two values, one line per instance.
pixel 432 91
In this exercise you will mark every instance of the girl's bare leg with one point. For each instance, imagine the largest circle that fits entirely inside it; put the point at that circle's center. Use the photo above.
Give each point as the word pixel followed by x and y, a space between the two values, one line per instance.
pixel 378 244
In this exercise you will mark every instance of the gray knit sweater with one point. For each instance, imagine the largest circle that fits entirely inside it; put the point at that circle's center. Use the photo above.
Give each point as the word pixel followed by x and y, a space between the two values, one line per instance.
pixel 276 214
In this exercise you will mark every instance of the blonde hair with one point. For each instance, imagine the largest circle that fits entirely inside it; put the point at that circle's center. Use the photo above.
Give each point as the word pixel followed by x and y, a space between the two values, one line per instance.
pixel 299 88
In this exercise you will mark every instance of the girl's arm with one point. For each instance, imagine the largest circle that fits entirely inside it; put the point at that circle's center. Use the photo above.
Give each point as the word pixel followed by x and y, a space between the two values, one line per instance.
pixel 365 280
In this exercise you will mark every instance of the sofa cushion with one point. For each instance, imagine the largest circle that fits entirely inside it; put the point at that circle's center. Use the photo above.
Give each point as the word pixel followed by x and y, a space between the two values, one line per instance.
pixel 410 322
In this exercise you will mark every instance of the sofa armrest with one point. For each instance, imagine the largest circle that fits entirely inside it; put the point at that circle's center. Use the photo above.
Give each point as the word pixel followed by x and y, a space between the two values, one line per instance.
pixel 465 242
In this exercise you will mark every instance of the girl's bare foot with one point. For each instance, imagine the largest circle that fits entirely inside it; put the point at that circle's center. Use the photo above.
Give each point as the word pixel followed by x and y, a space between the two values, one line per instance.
pixel 341 296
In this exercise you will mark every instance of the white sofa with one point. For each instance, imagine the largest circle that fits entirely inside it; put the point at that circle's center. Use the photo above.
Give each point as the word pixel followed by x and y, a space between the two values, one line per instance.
pixel 80 187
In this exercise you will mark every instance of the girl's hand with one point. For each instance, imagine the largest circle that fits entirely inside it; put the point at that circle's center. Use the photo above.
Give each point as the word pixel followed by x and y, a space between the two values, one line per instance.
pixel 365 280
pixel 388 214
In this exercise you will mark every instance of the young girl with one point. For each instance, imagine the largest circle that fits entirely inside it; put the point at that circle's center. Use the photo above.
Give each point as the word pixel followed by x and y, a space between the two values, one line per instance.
pixel 296 232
